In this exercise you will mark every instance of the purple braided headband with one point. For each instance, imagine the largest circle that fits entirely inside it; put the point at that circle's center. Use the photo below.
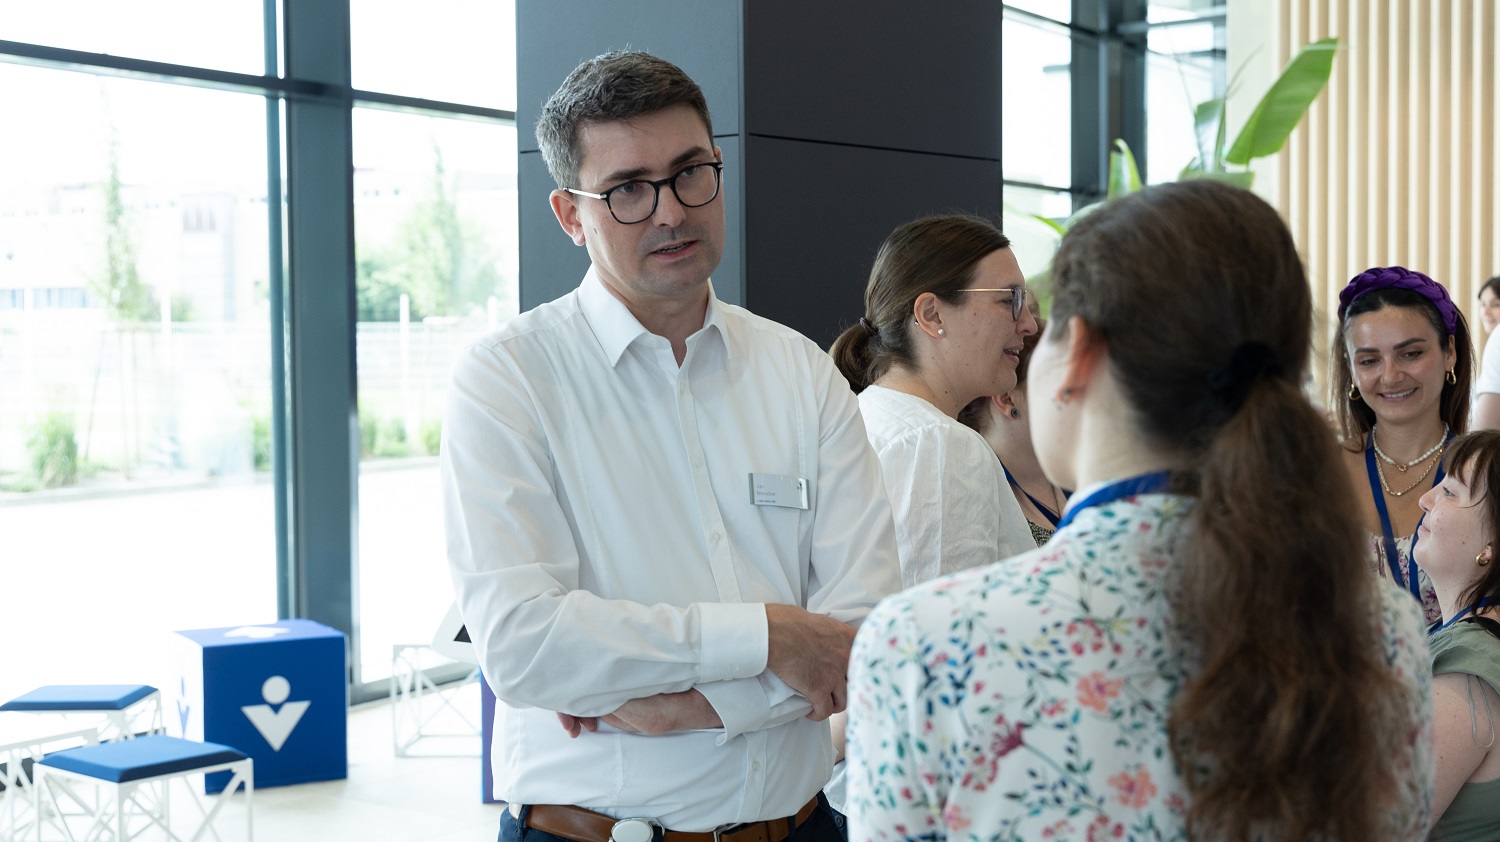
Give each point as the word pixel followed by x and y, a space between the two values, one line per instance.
pixel 1399 277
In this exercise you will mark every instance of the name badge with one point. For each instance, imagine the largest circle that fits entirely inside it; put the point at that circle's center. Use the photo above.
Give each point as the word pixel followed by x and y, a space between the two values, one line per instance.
pixel 778 490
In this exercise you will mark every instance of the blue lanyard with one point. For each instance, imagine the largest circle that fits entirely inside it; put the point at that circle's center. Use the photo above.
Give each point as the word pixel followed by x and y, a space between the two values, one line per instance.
pixel 1051 516
pixel 1151 483
pixel 1483 603
pixel 1388 534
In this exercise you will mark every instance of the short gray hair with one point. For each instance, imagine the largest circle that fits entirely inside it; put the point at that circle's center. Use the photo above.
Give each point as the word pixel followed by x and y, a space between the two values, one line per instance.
pixel 618 85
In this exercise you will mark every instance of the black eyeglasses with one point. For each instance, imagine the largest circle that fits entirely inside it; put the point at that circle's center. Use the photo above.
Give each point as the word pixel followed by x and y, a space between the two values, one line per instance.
pixel 695 185
pixel 1017 298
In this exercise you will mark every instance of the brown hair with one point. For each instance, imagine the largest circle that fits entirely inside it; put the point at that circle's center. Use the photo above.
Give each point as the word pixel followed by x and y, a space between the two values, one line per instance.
pixel 934 254
pixel 1471 457
pixel 1284 727
pixel 619 85
pixel 1355 417
pixel 975 415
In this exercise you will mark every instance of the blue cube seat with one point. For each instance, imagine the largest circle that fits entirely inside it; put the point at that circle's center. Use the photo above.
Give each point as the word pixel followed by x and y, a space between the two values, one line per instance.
pixel 145 757
pixel 79 697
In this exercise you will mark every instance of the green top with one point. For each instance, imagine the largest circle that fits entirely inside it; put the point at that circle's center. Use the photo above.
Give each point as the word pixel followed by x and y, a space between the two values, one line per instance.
pixel 1475 812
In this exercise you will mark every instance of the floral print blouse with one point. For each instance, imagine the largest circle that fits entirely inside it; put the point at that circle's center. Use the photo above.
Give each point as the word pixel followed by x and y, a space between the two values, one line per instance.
pixel 1028 699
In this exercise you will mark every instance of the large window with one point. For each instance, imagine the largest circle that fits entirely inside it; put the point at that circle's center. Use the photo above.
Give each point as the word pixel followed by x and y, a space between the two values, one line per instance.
pixel 435 256
pixel 135 363
pixel 158 438
pixel 1080 74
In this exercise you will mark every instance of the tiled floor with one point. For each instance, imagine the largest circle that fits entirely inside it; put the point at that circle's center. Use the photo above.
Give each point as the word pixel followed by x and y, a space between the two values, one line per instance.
pixel 430 798
pixel 386 798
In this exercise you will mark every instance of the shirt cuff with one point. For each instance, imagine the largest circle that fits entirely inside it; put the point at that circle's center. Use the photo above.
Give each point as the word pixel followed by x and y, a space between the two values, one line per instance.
pixel 735 642
pixel 741 705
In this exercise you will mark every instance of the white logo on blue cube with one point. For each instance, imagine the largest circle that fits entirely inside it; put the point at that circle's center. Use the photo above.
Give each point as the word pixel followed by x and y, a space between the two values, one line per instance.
pixel 276 692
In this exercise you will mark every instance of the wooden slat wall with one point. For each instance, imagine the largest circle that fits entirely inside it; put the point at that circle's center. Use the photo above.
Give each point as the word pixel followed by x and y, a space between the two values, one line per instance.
pixel 1396 162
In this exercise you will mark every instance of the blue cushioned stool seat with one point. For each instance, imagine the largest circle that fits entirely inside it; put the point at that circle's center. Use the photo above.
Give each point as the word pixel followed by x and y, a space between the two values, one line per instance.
pixel 138 774
pixel 119 711
pixel 79 697
pixel 145 757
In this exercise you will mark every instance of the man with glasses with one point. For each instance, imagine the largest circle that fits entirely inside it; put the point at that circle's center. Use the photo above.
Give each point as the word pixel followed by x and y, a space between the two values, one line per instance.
pixel 664 518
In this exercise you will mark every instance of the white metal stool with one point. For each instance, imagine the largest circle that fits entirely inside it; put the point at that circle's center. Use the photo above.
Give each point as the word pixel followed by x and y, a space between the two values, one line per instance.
pixel 420 709
pixel 19 817
pixel 137 776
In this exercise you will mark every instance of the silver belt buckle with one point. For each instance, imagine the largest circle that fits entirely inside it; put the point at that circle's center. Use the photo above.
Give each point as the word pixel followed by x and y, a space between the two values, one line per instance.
pixel 634 830
pixel 726 828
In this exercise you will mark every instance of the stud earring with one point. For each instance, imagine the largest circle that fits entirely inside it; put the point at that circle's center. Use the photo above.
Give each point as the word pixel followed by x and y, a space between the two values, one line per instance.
pixel 941 331
pixel 1061 398
pixel 1015 413
pixel 1451 377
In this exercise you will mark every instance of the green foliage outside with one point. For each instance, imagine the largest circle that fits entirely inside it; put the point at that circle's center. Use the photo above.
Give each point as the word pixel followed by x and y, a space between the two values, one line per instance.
pixel 432 437
pixel 52 447
pixel 382 438
pixel 260 442
pixel 438 258
pixel 116 282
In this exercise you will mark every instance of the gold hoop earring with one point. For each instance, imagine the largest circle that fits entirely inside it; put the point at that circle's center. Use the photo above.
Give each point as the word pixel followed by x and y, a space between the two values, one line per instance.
pixel 1353 393
pixel 1481 560
pixel 1451 378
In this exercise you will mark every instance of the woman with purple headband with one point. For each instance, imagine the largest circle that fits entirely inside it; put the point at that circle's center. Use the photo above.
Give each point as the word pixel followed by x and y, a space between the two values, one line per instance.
pixel 1403 364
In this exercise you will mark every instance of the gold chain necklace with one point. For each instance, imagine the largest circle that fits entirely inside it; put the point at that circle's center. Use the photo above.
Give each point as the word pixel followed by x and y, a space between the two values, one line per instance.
pixel 1381 473
pixel 1443 439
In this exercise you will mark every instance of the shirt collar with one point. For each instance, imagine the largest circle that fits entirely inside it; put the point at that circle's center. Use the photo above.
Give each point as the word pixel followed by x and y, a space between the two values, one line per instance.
pixel 617 328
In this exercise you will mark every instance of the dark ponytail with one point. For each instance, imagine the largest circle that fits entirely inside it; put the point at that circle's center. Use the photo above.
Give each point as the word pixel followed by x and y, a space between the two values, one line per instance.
pixel 1283 727
pixel 934 254
pixel 854 355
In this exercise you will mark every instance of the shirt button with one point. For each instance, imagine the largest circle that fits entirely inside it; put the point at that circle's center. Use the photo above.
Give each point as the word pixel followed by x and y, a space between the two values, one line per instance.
pixel 714 538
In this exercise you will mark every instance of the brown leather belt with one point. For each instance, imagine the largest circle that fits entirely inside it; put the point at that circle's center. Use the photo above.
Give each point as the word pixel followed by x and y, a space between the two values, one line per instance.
pixel 583 825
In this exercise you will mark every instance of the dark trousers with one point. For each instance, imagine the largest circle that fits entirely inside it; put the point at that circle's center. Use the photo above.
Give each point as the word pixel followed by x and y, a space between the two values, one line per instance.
pixel 824 825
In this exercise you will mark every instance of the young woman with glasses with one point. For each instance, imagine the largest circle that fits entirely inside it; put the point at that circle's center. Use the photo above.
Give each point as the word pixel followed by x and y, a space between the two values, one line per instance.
pixel 945 321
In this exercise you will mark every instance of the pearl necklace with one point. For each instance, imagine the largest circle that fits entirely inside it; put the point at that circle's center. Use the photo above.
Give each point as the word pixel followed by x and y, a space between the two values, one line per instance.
pixel 1403 468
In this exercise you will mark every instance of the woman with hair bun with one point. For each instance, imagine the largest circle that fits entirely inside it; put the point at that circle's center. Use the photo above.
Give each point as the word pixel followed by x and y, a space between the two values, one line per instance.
pixel 1198 651
pixel 1401 374
pixel 945 320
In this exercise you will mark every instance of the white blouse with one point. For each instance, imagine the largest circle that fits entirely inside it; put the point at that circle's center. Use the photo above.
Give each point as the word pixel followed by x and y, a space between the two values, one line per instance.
pixel 953 507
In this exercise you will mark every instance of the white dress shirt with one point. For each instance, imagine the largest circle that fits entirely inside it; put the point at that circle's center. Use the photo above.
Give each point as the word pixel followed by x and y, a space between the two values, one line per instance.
pixel 952 504
pixel 604 547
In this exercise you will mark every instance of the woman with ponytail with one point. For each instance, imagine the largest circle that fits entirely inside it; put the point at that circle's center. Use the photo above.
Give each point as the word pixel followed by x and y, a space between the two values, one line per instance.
pixel 1197 652
pixel 945 320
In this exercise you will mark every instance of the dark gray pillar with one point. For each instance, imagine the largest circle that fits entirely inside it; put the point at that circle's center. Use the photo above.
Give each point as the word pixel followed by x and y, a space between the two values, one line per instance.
pixel 838 121
pixel 320 256
pixel 1109 91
